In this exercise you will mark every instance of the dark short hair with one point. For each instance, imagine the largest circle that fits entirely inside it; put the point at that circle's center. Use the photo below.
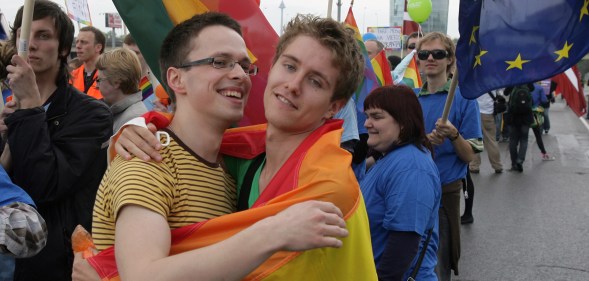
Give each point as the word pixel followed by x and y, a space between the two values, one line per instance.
pixel 129 40
pixel 401 103
pixel 346 55
pixel 176 45
pixel 63 27
pixel 99 37
pixel 394 61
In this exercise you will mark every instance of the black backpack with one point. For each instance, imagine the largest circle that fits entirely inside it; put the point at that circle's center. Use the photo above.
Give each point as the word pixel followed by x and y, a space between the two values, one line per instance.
pixel 520 101
pixel 499 103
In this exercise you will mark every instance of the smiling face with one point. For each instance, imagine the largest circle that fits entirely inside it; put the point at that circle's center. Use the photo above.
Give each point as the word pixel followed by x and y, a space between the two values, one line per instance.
pixel 300 87
pixel 43 47
pixel 383 129
pixel 434 67
pixel 211 93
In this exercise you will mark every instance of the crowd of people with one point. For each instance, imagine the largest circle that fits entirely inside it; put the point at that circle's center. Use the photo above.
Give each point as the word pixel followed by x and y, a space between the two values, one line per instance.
pixel 373 197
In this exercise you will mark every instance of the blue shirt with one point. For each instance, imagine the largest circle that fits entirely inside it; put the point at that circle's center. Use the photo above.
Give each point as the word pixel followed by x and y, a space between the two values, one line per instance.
pixel 464 115
pixel 538 96
pixel 10 192
pixel 402 192
pixel 348 114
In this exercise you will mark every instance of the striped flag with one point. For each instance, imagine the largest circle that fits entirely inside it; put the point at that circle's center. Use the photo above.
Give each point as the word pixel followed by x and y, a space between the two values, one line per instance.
pixel 382 69
pixel 409 26
pixel 569 84
pixel 162 15
pixel 412 72
pixel 370 82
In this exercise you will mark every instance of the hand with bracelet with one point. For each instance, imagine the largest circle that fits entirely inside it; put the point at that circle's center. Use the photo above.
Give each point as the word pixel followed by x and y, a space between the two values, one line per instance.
pixel 447 130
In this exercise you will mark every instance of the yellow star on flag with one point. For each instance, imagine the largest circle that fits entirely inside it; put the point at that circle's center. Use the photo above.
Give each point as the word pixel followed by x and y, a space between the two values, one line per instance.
pixel 478 58
pixel 517 63
pixel 564 52
pixel 473 39
pixel 584 10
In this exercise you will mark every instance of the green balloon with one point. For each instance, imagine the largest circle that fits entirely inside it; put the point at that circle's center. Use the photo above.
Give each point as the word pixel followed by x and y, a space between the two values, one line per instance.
pixel 419 10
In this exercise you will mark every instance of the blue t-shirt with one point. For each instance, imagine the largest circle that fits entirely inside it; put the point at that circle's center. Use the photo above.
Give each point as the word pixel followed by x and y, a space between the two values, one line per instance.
pixel 538 96
pixel 348 114
pixel 402 192
pixel 10 192
pixel 465 116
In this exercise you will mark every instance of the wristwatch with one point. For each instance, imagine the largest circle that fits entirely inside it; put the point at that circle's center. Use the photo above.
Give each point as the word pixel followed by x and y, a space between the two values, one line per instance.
pixel 454 137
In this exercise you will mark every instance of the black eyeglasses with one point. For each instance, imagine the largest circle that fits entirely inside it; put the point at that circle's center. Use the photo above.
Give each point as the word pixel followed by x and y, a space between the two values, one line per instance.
pixel 411 46
pixel 224 63
pixel 437 54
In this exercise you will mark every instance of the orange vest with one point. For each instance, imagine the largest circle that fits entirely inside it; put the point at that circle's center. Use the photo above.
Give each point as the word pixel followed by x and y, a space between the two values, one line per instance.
pixel 78 82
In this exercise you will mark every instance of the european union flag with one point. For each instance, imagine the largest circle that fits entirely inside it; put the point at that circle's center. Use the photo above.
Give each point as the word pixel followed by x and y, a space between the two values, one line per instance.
pixel 509 42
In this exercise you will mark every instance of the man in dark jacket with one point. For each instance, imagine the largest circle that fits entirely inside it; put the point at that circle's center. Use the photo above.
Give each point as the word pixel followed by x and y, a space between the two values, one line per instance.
pixel 55 138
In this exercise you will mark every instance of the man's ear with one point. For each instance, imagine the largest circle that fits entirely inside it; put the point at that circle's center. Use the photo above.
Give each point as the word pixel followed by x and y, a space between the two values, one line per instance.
pixel 175 82
pixel 334 108
pixel 98 48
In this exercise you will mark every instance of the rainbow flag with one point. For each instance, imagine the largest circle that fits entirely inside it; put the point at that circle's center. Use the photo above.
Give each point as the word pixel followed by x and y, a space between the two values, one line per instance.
pixel 145 87
pixel 162 15
pixel 306 175
pixel 412 72
pixel 370 82
pixel 382 69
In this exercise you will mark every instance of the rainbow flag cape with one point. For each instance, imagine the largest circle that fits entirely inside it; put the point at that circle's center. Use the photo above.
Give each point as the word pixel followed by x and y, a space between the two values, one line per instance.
pixel 382 69
pixel 318 170
pixel 370 82
pixel 150 21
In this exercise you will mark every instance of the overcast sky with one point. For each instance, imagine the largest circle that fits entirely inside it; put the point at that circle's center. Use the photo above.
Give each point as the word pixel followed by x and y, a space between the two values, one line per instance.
pixel 367 12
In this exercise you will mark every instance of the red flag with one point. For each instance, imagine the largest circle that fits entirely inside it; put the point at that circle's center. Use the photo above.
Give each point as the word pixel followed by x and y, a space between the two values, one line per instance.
pixel 409 26
pixel 570 86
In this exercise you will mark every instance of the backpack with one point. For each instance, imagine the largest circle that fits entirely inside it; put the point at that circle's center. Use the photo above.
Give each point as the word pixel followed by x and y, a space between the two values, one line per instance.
pixel 520 101
pixel 499 103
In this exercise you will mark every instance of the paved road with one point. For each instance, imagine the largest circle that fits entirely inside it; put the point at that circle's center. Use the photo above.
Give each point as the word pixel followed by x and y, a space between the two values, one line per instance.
pixel 533 225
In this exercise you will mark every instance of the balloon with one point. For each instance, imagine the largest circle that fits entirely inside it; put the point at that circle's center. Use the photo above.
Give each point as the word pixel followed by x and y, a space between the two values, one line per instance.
pixel 368 36
pixel 419 10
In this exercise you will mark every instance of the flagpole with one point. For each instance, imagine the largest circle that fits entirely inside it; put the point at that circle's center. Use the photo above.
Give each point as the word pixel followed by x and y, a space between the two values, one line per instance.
pixel 25 30
pixel 329 5
pixel 450 97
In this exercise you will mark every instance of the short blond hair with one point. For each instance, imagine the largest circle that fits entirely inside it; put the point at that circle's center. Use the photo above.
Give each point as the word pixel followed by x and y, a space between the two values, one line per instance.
pixel 121 65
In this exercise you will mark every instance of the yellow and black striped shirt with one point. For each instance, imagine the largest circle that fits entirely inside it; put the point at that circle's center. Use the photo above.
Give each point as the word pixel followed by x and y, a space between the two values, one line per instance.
pixel 183 188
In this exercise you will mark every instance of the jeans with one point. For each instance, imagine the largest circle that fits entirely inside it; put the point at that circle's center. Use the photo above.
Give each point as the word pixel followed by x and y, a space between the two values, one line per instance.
pixel 546 125
pixel 6 267
pixel 518 136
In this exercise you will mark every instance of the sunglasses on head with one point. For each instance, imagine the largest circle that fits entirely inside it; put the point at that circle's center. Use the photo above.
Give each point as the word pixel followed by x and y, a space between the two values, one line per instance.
pixel 437 54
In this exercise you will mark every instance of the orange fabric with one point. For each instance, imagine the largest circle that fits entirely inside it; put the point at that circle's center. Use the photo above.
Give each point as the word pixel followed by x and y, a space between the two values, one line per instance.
pixel 307 175
pixel 162 95
pixel 78 82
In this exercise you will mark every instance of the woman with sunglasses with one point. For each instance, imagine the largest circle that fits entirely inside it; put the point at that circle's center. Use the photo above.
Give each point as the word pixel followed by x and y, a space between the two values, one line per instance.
pixel 455 141
pixel 402 190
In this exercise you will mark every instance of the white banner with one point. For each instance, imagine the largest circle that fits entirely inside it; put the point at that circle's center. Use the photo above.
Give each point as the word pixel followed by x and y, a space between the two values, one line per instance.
pixel 389 36
pixel 79 11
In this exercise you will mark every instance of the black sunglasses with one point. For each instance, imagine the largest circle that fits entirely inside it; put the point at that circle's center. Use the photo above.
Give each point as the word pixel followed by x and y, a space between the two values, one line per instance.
pixel 437 54
pixel 411 46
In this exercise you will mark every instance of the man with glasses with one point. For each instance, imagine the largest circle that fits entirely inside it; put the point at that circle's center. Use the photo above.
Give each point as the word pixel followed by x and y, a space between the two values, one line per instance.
pixel 454 147
pixel 412 40
pixel 206 70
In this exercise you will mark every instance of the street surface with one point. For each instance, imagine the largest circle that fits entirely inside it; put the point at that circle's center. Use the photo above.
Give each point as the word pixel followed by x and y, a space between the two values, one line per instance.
pixel 533 225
